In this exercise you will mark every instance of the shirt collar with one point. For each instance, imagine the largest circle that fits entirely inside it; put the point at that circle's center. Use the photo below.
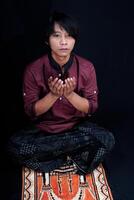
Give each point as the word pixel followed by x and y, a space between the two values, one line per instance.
pixel 57 67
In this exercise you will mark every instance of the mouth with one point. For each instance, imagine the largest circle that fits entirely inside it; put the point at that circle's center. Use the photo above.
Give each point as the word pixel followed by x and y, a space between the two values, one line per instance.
pixel 63 49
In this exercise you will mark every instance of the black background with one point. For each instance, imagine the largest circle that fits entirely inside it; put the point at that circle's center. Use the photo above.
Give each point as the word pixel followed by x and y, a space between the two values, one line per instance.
pixel 106 39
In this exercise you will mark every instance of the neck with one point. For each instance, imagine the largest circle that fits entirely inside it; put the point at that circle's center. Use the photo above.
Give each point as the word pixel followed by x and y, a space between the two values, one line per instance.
pixel 61 60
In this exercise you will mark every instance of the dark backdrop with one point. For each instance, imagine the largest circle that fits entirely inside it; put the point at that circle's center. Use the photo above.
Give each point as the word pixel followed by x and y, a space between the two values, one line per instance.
pixel 106 39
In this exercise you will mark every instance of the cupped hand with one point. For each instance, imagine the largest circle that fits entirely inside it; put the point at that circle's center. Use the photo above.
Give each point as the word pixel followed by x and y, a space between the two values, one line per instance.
pixel 56 86
pixel 69 86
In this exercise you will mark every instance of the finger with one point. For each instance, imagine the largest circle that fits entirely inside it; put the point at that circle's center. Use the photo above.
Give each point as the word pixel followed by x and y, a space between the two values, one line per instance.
pixel 61 91
pixel 59 84
pixel 54 82
pixel 73 82
pixel 67 83
pixel 70 82
pixel 56 86
pixel 50 79
pixel 64 89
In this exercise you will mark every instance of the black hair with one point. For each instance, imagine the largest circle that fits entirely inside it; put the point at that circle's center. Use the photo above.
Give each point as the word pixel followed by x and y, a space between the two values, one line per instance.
pixel 67 22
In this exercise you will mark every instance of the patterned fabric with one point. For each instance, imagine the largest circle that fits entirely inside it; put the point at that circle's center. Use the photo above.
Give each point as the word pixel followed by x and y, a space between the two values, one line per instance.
pixel 86 145
pixel 65 184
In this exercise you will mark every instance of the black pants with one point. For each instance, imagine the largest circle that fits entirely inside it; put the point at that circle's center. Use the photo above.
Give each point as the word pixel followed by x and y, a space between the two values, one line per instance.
pixel 86 145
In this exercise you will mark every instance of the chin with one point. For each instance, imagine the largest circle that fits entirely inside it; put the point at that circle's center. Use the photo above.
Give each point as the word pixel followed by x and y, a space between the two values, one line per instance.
pixel 64 54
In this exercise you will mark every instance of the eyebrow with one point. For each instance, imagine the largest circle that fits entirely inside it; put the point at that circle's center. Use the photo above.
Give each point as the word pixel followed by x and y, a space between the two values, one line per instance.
pixel 56 31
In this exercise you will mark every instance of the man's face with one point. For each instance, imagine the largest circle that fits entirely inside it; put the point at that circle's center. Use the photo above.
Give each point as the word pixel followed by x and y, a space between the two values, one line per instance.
pixel 61 43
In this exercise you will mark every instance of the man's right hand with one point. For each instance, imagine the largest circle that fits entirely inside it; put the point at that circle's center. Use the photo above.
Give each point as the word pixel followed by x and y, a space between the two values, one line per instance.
pixel 56 86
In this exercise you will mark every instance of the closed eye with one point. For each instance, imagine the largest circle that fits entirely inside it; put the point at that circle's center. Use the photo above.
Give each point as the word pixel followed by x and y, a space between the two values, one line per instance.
pixel 56 35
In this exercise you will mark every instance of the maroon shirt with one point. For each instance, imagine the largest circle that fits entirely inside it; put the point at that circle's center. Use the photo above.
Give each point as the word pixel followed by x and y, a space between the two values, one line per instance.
pixel 62 115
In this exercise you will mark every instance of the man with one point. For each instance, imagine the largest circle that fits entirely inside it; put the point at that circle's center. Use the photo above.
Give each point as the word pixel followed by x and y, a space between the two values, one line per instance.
pixel 60 93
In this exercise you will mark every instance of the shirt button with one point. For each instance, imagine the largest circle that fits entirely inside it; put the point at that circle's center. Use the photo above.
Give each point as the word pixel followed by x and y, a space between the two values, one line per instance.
pixel 60 98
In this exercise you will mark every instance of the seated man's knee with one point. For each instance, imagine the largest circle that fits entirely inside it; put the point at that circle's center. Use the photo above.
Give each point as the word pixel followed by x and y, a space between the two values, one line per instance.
pixel 111 141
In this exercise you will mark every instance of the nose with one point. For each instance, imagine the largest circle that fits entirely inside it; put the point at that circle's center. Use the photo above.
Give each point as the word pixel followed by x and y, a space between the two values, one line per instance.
pixel 63 40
